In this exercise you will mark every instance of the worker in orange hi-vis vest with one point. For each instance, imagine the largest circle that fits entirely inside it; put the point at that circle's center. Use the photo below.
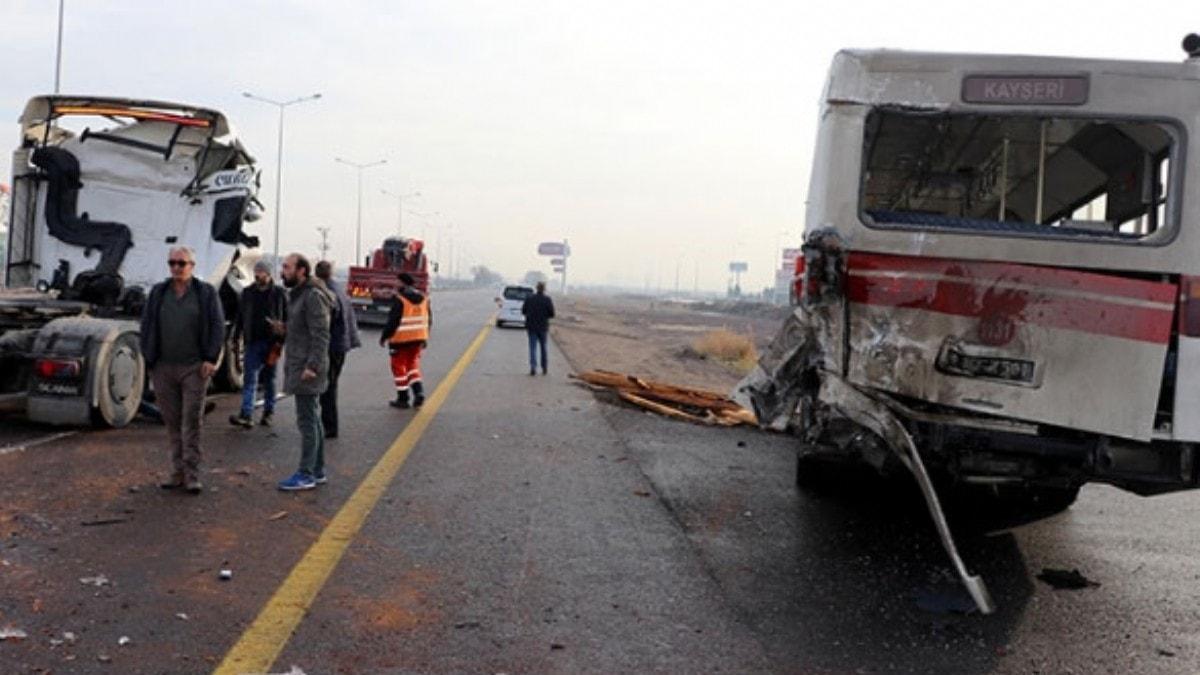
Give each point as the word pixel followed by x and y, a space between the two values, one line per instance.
pixel 406 334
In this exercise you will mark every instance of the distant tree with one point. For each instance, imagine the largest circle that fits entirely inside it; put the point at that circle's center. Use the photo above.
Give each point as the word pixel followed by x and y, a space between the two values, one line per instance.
pixel 534 277
pixel 486 277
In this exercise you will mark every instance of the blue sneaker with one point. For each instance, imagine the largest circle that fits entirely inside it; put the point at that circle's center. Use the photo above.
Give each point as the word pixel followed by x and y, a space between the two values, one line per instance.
pixel 298 481
pixel 320 478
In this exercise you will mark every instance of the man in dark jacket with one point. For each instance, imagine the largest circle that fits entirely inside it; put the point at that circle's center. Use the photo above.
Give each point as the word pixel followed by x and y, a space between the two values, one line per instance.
pixel 538 310
pixel 182 334
pixel 262 302
pixel 306 365
pixel 406 334
pixel 343 337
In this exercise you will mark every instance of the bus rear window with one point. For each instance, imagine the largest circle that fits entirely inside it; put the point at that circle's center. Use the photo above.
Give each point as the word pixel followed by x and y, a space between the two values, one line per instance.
pixel 1016 175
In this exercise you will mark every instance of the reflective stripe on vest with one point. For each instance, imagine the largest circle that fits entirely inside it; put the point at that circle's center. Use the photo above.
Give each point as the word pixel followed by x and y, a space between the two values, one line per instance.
pixel 414 322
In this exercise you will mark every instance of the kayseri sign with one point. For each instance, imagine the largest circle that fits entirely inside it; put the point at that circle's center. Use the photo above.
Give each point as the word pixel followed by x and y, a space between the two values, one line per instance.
pixel 1025 89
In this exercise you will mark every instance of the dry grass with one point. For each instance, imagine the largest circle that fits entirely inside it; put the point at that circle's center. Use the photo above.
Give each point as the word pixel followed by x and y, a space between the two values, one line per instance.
pixel 728 347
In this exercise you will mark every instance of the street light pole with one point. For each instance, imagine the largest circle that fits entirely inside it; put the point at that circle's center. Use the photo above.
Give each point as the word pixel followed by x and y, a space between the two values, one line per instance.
pixel 400 207
pixel 358 226
pixel 58 49
pixel 279 154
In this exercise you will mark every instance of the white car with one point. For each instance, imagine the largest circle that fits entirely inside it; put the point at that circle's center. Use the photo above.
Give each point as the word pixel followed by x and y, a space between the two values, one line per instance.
pixel 510 302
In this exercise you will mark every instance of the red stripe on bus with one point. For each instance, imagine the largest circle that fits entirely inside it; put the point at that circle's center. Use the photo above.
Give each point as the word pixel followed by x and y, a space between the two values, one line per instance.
pixel 986 273
pixel 970 297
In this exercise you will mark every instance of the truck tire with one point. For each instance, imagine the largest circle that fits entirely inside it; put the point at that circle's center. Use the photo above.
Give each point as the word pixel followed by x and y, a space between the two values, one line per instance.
pixel 119 375
pixel 230 374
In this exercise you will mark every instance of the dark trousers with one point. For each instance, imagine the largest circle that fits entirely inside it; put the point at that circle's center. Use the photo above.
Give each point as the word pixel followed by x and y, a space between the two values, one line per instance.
pixel 537 339
pixel 179 391
pixel 312 435
pixel 329 415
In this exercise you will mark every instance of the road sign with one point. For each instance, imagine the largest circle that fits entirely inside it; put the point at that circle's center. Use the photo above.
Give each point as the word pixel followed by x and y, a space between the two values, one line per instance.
pixel 557 262
pixel 554 248
pixel 789 257
pixel 737 267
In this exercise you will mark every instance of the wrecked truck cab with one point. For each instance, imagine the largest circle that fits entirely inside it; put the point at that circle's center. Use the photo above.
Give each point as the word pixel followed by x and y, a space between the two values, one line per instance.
pixel 103 188
pixel 1001 274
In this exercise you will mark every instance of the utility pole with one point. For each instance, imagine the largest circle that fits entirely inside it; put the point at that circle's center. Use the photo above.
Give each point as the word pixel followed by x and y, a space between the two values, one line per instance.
pixel 58 49
pixel 358 228
pixel 279 153
pixel 324 247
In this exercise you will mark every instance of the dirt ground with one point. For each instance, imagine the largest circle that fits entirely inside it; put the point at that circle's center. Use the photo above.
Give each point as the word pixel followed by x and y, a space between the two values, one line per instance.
pixel 654 339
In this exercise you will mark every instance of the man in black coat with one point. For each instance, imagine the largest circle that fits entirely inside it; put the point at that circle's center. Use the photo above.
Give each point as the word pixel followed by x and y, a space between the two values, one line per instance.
pixel 182 334
pixel 538 310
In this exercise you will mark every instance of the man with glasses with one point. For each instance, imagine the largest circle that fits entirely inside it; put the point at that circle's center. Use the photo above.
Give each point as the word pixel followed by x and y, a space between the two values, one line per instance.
pixel 182 334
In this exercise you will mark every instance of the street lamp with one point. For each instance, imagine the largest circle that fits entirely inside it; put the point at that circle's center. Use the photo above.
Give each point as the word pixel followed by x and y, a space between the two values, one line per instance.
pixel 358 227
pixel 400 206
pixel 58 49
pixel 279 157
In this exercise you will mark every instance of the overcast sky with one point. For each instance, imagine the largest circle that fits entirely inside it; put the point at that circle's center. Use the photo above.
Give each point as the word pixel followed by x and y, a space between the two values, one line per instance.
pixel 656 136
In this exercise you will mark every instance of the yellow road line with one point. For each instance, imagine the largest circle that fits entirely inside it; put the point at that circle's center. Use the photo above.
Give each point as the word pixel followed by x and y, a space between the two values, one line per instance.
pixel 263 641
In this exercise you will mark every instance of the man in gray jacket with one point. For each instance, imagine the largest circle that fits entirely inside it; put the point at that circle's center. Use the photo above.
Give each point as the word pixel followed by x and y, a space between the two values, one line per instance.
pixel 343 338
pixel 306 365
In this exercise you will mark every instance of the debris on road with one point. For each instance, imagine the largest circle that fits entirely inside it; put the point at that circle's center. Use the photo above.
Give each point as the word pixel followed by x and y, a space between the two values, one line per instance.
pixel 182 617
pixel 124 640
pixel 278 516
pixel 1066 579
pixel 69 637
pixel 103 521
pixel 14 634
pixel 683 403
pixel 225 575
pixel 97 581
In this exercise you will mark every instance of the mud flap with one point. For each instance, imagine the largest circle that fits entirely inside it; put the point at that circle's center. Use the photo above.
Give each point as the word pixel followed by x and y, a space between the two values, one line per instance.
pixel 877 417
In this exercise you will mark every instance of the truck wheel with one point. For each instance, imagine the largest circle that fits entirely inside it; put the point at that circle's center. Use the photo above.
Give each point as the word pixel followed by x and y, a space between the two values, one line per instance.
pixel 230 370
pixel 119 374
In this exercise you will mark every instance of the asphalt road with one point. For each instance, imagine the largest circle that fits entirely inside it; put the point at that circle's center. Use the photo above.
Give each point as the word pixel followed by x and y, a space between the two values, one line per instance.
pixel 535 528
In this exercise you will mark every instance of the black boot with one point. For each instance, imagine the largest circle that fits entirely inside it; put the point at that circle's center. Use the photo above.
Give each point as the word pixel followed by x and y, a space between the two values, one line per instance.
pixel 418 394
pixel 401 400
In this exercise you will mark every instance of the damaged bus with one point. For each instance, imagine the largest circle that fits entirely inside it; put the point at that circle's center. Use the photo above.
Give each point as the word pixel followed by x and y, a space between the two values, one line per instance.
pixel 1000 282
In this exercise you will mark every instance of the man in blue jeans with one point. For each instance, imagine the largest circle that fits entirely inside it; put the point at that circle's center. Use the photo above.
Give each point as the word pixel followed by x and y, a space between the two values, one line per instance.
pixel 262 303
pixel 538 310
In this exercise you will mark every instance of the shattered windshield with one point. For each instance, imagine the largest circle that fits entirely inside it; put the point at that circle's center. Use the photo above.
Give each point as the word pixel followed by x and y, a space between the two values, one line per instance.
pixel 1017 174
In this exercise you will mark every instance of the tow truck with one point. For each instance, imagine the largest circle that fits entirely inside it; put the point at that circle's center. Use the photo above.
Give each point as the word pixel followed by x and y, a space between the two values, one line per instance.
pixel 372 287
pixel 102 188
